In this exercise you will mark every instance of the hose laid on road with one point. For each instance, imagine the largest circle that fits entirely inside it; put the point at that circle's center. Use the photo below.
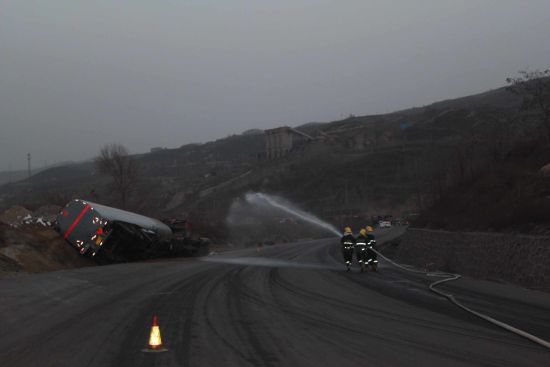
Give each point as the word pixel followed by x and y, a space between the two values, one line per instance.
pixel 450 277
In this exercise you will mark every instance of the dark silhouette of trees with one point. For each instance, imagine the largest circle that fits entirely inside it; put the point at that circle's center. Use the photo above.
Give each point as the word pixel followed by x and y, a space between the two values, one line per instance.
pixel 113 161
pixel 534 88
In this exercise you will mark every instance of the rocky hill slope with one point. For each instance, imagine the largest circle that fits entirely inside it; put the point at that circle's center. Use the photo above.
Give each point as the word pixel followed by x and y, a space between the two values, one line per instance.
pixel 399 163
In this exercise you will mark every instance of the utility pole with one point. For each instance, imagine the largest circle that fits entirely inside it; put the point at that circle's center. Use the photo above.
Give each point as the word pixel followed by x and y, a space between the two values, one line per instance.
pixel 29 163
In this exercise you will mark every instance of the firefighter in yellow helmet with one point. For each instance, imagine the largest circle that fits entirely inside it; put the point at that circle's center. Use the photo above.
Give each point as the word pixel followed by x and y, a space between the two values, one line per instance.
pixel 361 249
pixel 372 258
pixel 348 242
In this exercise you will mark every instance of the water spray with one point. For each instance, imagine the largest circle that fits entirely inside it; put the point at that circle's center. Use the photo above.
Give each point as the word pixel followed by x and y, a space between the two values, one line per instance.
pixel 258 198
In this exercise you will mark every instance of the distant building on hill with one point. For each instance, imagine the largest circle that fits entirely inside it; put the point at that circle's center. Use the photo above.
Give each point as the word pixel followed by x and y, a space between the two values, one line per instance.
pixel 280 141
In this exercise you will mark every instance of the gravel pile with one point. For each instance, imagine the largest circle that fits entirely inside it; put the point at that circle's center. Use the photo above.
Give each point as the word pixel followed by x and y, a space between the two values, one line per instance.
pixel 47 212
pixel 15 215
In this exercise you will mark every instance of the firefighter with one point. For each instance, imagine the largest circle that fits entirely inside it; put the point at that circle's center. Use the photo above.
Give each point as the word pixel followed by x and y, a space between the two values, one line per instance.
pixel 361 249
pixel 348 242
pixel 372 258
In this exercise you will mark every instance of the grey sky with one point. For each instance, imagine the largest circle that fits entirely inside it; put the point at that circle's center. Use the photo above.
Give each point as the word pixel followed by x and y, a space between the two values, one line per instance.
pixel 77 74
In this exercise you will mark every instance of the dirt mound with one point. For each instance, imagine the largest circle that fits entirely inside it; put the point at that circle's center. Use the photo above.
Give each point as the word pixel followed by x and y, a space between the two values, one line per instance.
pixel 47 212
pixel 36 249
pixel 15 215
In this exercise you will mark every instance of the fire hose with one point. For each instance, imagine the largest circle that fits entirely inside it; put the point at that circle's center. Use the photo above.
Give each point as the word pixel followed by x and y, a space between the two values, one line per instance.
pixel 450 277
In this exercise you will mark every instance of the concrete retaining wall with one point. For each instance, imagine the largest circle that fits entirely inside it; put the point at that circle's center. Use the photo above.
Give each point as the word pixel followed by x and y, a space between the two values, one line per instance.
pixel 519 259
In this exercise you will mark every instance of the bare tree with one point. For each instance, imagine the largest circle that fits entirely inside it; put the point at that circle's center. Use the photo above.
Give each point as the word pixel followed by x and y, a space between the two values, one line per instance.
pixel 534 88
pixel 113 160
pixel 496 136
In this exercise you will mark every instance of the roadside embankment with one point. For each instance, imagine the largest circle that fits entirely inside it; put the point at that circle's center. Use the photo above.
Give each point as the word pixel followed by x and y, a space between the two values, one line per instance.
pixel 29 244
pixel 519 259
pixel 35 248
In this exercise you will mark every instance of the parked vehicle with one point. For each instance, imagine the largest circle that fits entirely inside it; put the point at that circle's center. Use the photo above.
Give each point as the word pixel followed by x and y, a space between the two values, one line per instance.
pixel 384 224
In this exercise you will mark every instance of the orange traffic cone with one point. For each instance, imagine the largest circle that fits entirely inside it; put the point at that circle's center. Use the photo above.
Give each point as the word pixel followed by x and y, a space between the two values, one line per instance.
pixel 155 341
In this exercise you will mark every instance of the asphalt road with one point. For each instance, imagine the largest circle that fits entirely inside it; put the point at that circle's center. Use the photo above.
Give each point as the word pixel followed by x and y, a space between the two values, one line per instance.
pixel 288 305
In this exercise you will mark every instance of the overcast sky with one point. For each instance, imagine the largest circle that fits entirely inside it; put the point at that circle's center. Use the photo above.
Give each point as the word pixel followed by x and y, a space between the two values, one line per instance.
pixel 75 75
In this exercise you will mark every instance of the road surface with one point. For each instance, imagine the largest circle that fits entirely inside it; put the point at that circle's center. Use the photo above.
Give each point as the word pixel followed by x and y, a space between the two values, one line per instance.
pixel 288 305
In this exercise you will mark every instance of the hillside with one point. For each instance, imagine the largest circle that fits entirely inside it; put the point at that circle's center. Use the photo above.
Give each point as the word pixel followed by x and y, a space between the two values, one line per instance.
pixel 511 195
pixel 398 163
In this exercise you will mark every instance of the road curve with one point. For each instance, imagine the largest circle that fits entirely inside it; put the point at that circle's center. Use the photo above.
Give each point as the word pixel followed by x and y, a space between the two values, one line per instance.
pixel 288 305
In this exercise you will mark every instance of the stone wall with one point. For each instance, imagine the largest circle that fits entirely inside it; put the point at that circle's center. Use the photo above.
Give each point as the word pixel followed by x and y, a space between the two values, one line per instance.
pixel 520 259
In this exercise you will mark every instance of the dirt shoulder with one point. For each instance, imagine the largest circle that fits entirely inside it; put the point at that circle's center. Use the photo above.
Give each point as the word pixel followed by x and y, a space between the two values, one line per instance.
pixel 35 248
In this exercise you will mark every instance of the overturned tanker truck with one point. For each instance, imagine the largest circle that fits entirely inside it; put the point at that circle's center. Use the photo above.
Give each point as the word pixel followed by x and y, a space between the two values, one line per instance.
pixel 111 235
